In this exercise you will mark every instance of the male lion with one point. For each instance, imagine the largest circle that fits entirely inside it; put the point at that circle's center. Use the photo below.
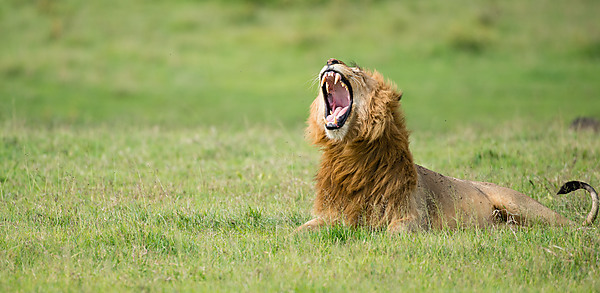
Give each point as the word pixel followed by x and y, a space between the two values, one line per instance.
pixel 367 175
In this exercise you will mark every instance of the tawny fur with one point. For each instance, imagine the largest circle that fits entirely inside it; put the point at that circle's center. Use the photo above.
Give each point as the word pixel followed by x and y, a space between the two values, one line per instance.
pixel 367 175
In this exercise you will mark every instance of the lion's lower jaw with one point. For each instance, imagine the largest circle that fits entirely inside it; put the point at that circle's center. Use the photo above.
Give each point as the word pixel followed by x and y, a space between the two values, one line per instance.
pixel 336 134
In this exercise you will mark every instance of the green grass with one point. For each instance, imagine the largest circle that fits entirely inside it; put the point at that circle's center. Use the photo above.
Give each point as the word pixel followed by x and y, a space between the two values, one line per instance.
pixel 158 146
pixel 144 209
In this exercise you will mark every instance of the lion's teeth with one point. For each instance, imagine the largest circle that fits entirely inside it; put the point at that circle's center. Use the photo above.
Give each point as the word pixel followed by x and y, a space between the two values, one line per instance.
pixel 327 86
pixel 337 78
pixel 343 85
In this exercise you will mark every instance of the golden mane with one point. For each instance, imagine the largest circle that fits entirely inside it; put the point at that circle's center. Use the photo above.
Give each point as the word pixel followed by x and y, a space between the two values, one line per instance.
pixel 366 178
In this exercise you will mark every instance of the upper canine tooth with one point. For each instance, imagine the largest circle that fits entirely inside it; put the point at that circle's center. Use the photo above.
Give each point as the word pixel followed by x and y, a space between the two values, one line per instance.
pixel 337 78
pixel 327 86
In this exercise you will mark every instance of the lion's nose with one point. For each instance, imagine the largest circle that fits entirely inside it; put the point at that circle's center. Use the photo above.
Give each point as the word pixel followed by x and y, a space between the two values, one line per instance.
pixel 332 61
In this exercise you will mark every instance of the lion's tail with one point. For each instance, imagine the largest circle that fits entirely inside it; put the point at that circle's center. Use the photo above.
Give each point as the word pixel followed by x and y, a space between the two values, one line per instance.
pixel 575 185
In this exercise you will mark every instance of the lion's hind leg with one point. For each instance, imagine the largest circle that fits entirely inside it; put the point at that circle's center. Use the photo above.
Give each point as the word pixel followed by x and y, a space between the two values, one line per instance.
pixel 517 208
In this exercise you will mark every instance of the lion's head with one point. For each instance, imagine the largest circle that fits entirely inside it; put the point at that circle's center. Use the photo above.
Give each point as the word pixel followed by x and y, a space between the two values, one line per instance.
pixel 352 103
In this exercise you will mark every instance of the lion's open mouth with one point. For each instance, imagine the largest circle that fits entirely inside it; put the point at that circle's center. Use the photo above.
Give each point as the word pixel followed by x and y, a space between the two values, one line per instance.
pixel 338 99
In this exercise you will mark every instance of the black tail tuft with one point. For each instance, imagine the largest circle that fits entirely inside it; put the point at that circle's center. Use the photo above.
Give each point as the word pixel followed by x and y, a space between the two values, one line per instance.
pixel 571 186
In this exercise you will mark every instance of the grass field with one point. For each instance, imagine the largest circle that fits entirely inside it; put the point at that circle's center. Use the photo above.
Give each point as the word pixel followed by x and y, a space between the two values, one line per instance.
pixel 158 146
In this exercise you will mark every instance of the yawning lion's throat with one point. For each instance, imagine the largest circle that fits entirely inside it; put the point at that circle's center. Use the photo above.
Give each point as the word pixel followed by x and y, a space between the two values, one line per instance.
pixel 337 94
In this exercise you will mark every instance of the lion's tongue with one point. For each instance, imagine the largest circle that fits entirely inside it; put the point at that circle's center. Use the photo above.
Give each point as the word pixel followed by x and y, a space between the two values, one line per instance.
pixel 339 111
pixel 338 101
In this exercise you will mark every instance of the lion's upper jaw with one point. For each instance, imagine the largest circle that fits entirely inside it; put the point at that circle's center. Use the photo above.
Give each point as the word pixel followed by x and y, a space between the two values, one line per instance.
pixel 342 99
pixel 336 100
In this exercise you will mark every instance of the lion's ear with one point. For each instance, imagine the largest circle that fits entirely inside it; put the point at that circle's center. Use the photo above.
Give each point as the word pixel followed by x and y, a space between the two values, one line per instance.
pixel 399 95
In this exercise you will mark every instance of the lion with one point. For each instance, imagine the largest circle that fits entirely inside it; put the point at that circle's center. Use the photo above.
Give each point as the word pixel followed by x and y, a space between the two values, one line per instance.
pixel 367 176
